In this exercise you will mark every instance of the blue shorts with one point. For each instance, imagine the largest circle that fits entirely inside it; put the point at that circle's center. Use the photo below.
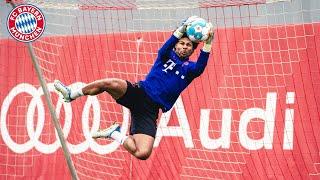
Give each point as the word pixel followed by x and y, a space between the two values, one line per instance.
pixel 144 112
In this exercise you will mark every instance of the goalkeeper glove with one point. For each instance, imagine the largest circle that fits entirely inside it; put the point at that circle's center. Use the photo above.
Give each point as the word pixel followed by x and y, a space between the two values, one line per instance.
pixel 178 33
pixel 207 43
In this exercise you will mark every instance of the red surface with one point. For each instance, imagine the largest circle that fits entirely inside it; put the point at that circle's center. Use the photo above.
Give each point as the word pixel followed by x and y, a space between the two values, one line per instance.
pixel 246 64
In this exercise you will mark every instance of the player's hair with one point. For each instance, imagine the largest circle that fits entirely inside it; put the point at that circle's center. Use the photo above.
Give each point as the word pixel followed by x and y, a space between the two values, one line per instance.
pixel 194 44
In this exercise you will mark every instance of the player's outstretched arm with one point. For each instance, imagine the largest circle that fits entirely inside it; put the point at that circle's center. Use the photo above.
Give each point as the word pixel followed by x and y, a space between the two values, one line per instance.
pixel 208 43
pixel 202 61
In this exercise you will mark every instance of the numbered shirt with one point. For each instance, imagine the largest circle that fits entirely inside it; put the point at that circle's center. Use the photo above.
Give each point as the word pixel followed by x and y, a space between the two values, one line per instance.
pixel 170 75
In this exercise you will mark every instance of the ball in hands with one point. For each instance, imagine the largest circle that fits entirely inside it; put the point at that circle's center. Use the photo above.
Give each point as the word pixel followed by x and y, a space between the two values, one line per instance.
pixel 198 30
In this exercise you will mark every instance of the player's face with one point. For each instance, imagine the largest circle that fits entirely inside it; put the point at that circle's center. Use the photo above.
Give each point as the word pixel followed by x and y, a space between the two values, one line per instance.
pixel 184 48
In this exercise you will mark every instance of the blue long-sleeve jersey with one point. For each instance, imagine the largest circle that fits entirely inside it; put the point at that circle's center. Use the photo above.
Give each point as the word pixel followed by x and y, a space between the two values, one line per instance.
pixel 170 75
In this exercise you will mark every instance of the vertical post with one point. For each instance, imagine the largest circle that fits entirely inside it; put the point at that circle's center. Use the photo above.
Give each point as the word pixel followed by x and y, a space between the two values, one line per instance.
pixel 53 113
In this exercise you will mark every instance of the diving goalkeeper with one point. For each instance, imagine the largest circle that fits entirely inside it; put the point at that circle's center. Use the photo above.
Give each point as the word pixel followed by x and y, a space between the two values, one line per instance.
pixel 171 73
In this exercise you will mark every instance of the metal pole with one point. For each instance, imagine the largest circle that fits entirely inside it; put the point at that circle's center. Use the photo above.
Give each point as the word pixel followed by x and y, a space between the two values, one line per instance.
pixel 51 108
pixel 53 113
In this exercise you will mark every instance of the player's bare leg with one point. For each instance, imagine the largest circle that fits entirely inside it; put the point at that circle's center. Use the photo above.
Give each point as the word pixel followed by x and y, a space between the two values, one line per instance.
pixel 139 145
pixel 115 87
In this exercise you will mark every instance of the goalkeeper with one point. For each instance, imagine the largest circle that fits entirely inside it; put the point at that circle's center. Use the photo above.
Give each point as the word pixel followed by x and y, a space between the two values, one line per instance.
pixel 171 73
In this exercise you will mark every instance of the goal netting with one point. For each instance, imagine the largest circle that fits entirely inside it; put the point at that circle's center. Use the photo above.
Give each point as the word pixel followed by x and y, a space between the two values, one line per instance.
pixel 253 113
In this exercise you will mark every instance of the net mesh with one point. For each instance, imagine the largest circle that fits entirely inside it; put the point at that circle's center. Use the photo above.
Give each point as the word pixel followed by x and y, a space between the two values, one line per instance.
pixel 262 53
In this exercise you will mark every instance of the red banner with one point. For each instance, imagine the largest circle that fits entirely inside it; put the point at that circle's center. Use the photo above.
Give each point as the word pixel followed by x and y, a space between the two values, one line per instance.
pixel 253 113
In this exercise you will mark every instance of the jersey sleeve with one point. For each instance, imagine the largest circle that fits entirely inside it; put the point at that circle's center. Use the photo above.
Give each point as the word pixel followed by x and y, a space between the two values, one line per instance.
pixel 164 51
pixel 196 69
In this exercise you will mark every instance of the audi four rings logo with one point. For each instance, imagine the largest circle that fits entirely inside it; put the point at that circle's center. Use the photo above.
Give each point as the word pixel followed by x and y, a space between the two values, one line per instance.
pixel 34 134
pixel 26 23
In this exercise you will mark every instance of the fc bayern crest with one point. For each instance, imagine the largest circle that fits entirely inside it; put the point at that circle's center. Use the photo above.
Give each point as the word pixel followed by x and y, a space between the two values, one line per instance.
pixel 26 23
